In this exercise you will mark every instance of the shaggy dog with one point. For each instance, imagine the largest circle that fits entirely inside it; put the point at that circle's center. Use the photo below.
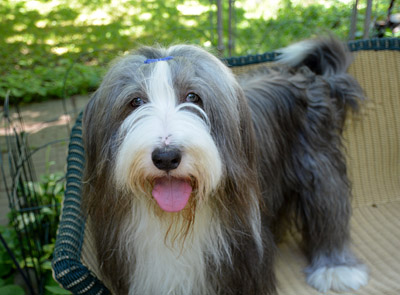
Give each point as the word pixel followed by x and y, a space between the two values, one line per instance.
pixel 192 173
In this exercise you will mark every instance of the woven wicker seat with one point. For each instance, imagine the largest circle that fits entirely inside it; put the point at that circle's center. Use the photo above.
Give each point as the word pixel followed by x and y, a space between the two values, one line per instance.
pixel 372 141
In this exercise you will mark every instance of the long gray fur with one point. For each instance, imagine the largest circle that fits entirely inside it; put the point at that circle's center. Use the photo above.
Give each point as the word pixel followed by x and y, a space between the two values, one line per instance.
pixel 279 132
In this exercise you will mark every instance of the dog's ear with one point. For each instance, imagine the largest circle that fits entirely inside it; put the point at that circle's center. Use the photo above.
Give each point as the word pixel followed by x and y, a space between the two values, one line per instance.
pixel 235 137
pixel 90 143
pixel 96 129
pixel 90 131
pixel 247 130
pixel 243 142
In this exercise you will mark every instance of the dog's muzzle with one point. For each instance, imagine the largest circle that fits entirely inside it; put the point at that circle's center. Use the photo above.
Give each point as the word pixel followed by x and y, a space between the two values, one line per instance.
pixel 172 194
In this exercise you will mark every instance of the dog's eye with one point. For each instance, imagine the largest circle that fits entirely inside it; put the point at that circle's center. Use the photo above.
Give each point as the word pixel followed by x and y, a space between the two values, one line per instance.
pixel 193 98
pixel 137 102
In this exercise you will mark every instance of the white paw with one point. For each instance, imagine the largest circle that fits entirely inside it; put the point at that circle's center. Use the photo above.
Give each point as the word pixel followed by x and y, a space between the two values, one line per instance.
pixel 339 278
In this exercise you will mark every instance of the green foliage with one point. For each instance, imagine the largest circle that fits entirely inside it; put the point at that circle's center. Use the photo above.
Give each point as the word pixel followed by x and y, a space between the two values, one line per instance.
pixel 294 24
pixel 6 264
pixel 47 192
pixel 57 290
pixel 44 40
pixel 11 290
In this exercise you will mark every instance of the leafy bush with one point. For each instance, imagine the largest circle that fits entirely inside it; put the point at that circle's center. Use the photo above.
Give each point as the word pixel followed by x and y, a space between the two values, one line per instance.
pixel 33 253
pixel 43 40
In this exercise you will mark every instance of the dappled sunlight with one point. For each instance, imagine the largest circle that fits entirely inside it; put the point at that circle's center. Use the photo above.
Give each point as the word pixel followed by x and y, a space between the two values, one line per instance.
pixel 192 8
pixel 132 31
pixel 59 50
pixel 268 9
pixel 326 3
pixel 41 24
pixel 190 23
pixel 145 16
pixel 260 9
pixel 207 44
pixel 33 127
pixel 42 7
pixel 20 27
pixel 98 17
pixel 50 42
pixel 20 38
pixel 42 39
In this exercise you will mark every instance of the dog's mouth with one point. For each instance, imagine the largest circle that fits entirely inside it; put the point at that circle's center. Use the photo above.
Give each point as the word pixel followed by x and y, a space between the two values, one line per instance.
pixel 172 194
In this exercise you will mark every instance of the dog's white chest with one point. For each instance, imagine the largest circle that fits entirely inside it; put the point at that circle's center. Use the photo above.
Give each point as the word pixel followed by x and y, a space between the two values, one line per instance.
pixel 160 270
pixel 160 265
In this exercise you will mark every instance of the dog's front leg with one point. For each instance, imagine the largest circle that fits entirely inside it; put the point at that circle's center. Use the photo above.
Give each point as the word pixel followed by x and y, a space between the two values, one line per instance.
pixel 325 211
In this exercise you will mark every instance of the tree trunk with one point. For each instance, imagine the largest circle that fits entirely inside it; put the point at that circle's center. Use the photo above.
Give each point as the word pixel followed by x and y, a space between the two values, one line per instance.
pixel 353 22
pixel 220 28
pixel 367 21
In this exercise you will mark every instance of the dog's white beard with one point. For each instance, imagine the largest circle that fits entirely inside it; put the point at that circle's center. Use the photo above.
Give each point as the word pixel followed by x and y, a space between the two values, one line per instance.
pixel 161 264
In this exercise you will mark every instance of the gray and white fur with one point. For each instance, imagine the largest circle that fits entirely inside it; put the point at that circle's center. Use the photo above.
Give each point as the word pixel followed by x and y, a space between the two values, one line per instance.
pixel 253 151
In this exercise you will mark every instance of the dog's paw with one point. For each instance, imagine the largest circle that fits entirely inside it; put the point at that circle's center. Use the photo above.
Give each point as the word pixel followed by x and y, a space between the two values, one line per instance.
pixel 339 278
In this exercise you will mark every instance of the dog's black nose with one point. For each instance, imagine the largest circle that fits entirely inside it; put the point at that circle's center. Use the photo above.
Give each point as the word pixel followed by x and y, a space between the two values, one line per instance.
pixel 166 158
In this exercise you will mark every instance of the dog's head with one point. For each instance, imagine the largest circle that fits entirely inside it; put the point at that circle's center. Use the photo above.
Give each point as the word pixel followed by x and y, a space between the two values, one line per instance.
pixel 171 126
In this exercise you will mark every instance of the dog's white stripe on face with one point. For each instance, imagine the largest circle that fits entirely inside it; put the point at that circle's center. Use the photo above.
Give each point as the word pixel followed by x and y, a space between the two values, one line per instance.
pixel 159 87
pixel 162 96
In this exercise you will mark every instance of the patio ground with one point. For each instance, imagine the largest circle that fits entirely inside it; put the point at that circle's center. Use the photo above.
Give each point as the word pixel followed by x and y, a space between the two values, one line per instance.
pixel 45 123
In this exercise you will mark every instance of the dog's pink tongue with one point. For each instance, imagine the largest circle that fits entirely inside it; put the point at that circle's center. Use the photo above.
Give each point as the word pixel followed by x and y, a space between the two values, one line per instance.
pixel 171 194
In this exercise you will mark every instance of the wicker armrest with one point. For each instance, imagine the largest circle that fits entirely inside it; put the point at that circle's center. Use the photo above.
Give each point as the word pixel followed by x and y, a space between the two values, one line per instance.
pixel 68 267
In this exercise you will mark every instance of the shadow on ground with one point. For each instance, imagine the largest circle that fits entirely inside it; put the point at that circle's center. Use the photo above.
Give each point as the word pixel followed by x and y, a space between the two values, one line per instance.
pixel 47 125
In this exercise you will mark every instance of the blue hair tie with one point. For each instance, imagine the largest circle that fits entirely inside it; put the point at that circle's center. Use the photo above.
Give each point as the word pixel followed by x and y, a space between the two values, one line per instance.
pixel 149 61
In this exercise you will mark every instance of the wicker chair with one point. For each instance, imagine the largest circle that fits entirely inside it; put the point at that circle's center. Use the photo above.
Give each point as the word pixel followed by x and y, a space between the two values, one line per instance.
pixel 372 141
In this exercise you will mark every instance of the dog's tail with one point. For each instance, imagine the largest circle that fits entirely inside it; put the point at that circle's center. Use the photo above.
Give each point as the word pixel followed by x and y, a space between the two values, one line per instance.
pixel 323 56
pixel 330 58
